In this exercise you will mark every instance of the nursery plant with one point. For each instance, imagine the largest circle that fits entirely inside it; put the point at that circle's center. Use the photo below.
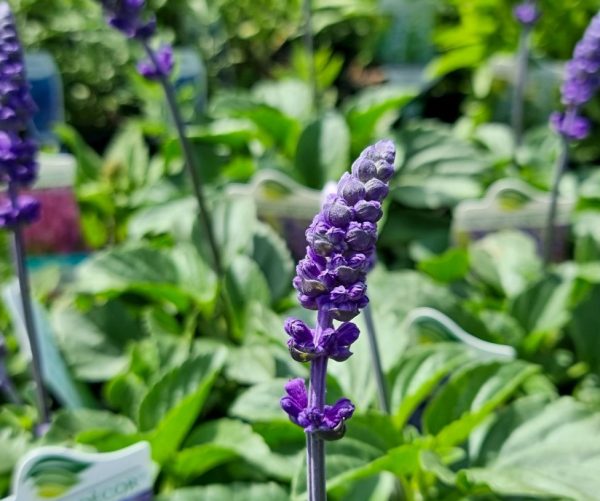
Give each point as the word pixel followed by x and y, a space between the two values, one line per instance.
pixel 245 371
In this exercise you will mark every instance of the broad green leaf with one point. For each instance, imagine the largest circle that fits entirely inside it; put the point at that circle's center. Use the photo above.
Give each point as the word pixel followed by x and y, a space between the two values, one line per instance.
pixel 552 454
pixel 194 275
pixel 261 403
pixel 323 150
pixel 506 262
pixel 471 396
pixel 95 343
pixel 230 492
pixel 251 363
pixel 582 328
pixel 544 307
pixel 436 168
pixel 448 267
pixel 274 259
pixel 233 223
pixel 14 444
pixel 192 462
pixel 244 284
pixel 173 404
pixel 220 441
pixel 149 272
pixel 175 217
pixel 292 97
pixel 419 372
pixel 372 111
pixel 486 441
pixel 69 425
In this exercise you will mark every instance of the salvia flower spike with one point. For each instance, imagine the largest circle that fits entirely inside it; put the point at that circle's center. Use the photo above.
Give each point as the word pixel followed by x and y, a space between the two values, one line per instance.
pixel 331 279
pixel 130 18
pixel 527 13
pixel 580 84
pixel 18 169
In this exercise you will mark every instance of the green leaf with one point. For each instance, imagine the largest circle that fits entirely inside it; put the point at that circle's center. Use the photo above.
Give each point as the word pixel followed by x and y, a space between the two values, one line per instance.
pixel 14 444
pixel 552 454
pixel 69 425
pixel 149 272
pixel 261 403
pixel 486 442
pixel 234 223
pixel 372 111
pixel 274 259
pixel 544 307
pixel 293 97
pixel 448 267
pixel 95 343
pixel 470 396
pixel 419 372
pixel 507 262
pixel 89 164
pixel 221 441
pixel 436 168
pixel 582 329
pixel 172 405
pixel 230 492
pixel 323 150
pixel 245 284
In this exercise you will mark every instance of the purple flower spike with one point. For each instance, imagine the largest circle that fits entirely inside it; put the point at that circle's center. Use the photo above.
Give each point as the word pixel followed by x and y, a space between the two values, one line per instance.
pixel 332 280
pixel 127 16
pixel 164 58
pixel 18 167
pixel 343 236
pixel 581 82
pixel 527 13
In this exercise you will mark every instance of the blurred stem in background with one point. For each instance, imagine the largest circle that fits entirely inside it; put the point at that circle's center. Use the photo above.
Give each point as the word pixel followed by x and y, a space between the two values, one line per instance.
pixel 190 158
pixel 30 327
pixel 549 234
pixel 519 88
pixel 309 45
pixel 376 361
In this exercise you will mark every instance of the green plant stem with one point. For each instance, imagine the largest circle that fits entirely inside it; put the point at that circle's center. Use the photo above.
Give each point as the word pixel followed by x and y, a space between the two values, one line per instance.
pixel 549 233
pixel 190 160
pixel 519 87
pixel 376 361
pixel 315 446
pixel 309 46
pixel 25 293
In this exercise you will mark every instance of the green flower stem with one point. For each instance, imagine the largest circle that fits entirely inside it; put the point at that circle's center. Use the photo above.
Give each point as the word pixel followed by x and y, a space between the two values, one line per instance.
pixel 520 82
pixel 376 361
pixel 25 293
pixel 309 46
pixel 190 160
pixel 549 234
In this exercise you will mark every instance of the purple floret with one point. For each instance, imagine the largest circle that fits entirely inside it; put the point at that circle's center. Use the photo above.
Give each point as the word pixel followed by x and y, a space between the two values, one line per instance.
pixel 328 420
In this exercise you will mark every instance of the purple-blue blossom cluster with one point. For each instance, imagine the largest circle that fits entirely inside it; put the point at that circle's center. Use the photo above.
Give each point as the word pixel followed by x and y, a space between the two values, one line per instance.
pixel 130 18
pixel 18 166
pixel 527 13
pixel 332 279
pixel 329 419
pixel 581 82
